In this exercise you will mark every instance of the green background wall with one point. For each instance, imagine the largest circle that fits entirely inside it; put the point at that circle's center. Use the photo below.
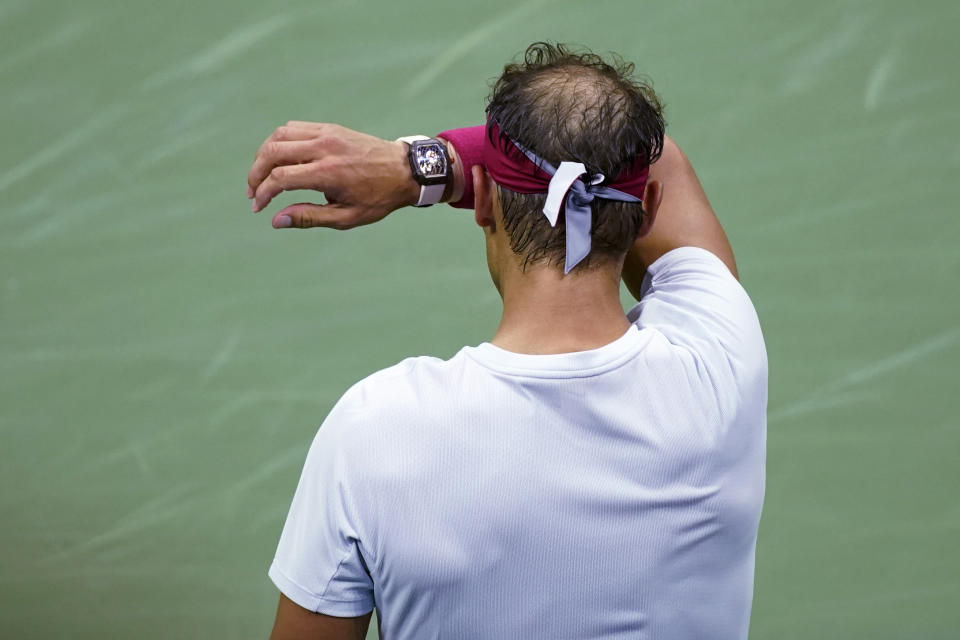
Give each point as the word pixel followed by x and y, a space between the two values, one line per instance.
pixel 166 356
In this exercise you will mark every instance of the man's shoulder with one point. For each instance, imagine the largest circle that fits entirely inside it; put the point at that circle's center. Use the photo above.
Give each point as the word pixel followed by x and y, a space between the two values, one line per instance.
pixel 411 385
pixel 408 371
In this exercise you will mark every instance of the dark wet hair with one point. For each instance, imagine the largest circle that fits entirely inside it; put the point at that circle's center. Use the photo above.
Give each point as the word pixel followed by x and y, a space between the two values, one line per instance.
pixel 569 104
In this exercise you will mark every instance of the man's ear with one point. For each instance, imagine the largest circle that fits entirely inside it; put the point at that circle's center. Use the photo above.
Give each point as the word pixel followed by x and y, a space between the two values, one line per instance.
pixel 483 197
pixel 652 195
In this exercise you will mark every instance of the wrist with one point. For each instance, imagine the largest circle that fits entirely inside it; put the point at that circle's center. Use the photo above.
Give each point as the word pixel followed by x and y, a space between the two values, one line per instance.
pixel 410 189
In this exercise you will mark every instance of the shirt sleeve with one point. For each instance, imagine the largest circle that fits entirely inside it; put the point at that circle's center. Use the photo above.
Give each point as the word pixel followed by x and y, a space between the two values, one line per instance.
pixel 319 564
pixel 690 297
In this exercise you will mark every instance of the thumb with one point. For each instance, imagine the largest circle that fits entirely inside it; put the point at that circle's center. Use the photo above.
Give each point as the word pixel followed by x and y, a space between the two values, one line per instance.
pixel 305 215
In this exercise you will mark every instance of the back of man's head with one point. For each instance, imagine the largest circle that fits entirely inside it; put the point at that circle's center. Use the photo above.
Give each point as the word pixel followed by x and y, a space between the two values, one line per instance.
pixel 572 105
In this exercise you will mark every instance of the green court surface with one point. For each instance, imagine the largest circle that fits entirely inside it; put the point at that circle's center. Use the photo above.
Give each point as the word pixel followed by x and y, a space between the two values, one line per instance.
pixel 166 356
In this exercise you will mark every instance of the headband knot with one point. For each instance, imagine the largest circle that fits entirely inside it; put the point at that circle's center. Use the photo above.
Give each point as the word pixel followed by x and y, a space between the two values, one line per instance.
pixel 580 194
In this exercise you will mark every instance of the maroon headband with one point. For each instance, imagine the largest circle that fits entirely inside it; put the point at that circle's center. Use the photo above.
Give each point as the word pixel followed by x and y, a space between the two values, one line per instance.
pixel 511 168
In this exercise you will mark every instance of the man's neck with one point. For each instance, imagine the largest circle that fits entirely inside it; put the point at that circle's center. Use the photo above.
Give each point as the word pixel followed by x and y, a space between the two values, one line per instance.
pixel 546 312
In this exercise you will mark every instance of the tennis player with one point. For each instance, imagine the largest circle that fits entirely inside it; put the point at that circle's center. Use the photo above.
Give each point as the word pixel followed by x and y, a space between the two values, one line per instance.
pixel 587 473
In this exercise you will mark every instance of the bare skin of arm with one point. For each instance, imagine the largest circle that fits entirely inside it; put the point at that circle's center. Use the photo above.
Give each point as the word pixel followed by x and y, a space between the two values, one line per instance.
pixel 684 219
pixel 296 623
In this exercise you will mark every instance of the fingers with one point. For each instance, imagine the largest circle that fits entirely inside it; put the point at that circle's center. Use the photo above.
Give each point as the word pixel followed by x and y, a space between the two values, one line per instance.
pixel 274 153
pixel 287 178
pixel 305 215
pixel 280 134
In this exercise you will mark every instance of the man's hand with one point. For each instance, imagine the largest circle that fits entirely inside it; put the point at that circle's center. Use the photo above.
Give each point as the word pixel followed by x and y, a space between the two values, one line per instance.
pixel 363 177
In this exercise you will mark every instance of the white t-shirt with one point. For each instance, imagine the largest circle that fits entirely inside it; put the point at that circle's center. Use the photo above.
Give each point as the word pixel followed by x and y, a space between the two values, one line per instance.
pixel 612 493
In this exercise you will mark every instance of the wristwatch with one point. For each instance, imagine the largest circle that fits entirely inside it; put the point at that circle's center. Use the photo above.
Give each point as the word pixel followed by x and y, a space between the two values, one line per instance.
pixel 430 164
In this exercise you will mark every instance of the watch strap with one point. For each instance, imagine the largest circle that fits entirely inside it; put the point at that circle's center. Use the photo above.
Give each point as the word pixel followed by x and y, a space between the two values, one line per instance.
pixel 430 194
pixel 409 139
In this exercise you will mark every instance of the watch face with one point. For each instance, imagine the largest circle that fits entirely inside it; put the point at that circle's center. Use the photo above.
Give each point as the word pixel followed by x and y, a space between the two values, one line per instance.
pixel 431 161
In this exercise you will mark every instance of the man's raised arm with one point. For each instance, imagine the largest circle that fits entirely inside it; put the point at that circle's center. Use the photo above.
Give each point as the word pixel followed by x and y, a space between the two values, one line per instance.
pixel 365 178
pixel 683 219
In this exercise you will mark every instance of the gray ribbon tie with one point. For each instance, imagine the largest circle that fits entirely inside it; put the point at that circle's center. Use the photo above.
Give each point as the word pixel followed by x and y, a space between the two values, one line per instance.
pixel 566 186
